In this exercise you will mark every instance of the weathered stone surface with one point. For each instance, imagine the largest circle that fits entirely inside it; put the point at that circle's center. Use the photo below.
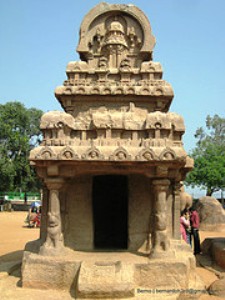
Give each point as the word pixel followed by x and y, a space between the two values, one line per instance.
pixel 114 275
pixel 212 215
pixel 186 199
pixel 215 247
pixel 111 279
pixel 217 288
pixel 48 272
pixel 168 274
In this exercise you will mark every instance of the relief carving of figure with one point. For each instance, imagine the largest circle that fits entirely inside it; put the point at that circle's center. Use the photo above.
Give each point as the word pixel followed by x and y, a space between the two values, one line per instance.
pixel 160 239
pixel 121 155
pixel 96 43
pixel 54 233
pixel 135 42
pixel 148 156
pixel 68 155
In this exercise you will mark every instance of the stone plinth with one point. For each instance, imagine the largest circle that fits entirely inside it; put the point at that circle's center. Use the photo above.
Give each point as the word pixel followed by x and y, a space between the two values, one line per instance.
pixel 115 275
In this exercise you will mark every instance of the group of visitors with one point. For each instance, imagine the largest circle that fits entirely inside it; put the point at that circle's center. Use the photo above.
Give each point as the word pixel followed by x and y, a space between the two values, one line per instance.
pixel 189 227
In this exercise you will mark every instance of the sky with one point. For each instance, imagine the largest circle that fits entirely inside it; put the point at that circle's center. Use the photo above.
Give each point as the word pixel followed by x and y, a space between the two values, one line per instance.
pixel 39 38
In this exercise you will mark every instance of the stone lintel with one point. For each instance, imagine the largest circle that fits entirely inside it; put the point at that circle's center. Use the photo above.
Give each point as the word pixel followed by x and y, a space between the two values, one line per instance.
pixel 70 169
pixel 53 170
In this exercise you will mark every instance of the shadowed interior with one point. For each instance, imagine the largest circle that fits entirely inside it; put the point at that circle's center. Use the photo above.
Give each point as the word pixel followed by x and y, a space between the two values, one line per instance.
pixel 110 209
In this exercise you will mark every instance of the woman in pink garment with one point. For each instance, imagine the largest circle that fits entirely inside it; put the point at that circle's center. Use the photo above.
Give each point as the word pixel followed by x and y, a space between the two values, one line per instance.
pixel 184 224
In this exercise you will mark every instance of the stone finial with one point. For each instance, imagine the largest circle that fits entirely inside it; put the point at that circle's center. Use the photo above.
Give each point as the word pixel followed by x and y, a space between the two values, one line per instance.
pixel 104 27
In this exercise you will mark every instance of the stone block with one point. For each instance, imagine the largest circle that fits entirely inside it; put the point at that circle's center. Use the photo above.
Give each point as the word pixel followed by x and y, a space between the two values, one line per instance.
pixel 162 275
pixel 105 279
pixel 43 272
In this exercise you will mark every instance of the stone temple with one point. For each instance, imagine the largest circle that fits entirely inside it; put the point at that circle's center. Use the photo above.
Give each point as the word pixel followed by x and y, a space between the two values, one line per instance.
pixel 112 163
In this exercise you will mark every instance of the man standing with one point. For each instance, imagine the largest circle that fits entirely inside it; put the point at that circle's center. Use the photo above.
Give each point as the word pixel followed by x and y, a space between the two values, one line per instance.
pixel 195 220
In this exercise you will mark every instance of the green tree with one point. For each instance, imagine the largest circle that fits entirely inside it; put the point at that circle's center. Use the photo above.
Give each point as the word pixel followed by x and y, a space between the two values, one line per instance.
pixel 18 135
pixel 209 156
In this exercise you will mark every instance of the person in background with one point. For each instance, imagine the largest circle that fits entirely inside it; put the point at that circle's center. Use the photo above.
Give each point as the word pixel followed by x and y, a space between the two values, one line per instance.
pixel 185 226
pixel 36 222
pixel 25 198
pixel 188 229
pixel 31 216
pixel 195 221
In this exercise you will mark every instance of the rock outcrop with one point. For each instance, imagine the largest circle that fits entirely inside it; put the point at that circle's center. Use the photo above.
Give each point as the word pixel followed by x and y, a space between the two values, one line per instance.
pixel 212 215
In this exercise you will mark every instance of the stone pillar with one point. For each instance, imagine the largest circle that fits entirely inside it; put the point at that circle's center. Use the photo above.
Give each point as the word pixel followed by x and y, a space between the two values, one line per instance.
pixel 160 240
pixel 54 239
pixel 44 212
pixel 176 211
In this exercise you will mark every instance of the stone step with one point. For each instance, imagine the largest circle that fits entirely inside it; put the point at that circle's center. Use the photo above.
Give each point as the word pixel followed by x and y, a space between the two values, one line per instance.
pixel 106 279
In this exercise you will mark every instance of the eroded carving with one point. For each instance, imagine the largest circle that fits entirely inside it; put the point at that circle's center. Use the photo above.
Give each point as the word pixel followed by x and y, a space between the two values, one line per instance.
pixel 46 153
pixel 120 154
pixel 68 154
pixel 167 155
pixel 93 154
pixel 146 154
pixel 54 232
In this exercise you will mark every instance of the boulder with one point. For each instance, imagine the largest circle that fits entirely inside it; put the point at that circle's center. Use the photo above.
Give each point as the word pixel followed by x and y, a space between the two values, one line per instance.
pixel 217 288
pixel 212 215
pixel 215 247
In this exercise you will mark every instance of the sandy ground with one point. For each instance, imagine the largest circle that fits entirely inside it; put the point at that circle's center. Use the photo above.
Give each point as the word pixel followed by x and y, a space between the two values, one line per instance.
pixel 14 236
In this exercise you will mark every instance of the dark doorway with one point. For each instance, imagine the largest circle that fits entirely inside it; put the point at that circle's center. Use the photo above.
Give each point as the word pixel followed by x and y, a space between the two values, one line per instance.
pixel 110 210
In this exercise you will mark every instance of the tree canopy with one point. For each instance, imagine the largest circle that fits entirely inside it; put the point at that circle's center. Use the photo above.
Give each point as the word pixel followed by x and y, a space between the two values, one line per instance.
pixel 209 156
pixel 18 135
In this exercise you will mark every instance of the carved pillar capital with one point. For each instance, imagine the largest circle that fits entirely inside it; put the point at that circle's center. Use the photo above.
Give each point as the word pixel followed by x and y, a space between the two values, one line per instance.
pixel 54 183
pixel 161 184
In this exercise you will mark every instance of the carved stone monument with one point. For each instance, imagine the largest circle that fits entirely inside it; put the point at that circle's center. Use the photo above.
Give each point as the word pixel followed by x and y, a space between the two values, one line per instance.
pixel 112 165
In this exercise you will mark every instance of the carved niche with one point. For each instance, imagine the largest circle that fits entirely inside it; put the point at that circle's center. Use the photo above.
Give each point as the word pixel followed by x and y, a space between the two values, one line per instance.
pixel 114 41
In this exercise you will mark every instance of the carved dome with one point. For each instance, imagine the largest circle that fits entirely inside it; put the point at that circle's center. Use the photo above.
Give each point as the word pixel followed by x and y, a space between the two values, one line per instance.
pixel 116 27
pixel 115 35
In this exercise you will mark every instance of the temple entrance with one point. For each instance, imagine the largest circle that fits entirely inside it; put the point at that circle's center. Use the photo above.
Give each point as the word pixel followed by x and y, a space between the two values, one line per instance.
pixel 110 211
